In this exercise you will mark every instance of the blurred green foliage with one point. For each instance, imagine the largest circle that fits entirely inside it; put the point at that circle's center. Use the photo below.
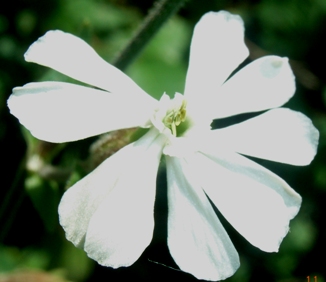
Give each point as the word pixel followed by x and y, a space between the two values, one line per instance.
pixel 31 238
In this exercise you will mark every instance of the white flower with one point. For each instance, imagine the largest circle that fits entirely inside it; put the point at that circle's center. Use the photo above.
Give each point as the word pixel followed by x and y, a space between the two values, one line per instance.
pixel 109 213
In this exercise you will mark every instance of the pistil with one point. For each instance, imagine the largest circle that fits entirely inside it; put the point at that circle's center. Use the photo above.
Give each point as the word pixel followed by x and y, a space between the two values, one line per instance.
pixel 175 117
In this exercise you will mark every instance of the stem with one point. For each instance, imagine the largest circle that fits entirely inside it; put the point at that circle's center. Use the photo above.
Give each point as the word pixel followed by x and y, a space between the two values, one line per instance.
pixel 13 198
pixel 8 199
pixel 158 15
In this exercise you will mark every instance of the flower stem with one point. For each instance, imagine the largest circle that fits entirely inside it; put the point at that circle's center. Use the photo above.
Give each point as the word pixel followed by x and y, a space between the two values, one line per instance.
pixel 12 201
pixel 161 12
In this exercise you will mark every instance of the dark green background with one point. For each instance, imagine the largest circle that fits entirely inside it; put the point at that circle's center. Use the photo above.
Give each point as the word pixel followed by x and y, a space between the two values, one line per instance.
pixel 31 237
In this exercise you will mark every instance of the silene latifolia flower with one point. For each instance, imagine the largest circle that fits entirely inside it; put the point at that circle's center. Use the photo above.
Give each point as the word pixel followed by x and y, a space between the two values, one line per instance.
pixel 109 213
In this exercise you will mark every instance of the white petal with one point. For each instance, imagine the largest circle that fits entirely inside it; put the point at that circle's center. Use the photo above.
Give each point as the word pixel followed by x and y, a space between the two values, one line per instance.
pixel 280 135
pixel 197 241
pixel 79 202
pixel 263 84
pixel 217 48
pixel 254 200
pixel 62 112
pixel 122 226
pixel 72 56
pixel 113 205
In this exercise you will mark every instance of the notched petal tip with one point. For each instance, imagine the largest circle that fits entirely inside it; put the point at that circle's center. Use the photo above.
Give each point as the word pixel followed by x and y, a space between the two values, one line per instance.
pixel 50 37
pixel 271 66
pixel 311 135
pixel 224 16
pixel 197 241
pixel 264 203
pixel 72 56
pixel 61 112
pixel 265 83
pixel 13 103
pixel 121 226
pixel 280 135
pixel 217 48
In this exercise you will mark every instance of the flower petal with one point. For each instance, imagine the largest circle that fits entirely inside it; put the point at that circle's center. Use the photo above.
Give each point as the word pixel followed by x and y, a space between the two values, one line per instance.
pixel 266 83
pixel 62 112
pixel 280 135
pixel 197 240
pixel 122 226
pixel 80 201
pixel 110 211
pixel 217 48
pixel 73 57
pixel 254 200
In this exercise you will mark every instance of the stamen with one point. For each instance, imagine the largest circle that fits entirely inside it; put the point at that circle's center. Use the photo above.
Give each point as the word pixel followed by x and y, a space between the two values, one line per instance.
pixel 175 117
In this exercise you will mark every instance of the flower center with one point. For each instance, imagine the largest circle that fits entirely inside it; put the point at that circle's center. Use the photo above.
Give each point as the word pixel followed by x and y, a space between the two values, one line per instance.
pixel 171 114
pixel 174 117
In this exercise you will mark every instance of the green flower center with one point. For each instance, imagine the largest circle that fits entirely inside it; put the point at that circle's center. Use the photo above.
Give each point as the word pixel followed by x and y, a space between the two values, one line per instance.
pixel 176 118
